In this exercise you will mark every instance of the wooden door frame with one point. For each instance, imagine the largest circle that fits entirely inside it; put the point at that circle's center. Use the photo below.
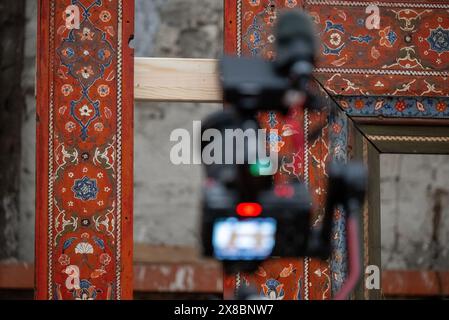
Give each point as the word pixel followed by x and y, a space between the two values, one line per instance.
pixel 374 137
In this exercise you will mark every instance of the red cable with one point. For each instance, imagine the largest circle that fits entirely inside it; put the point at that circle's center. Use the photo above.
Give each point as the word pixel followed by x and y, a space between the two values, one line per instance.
pixel 354 260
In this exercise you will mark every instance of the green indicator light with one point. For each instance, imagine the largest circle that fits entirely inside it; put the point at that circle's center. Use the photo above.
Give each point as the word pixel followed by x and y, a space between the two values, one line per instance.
pixel 255 168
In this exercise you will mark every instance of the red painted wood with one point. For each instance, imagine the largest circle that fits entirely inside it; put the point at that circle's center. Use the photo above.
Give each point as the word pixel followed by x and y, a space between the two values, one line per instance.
pixel 164 277
pixel 84 152
pixel 230 26
pixel 411 283
pixel 206 278
pixel 408 55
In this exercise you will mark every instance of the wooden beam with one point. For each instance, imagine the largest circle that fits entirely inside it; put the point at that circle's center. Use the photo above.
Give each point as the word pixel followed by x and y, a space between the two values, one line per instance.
pixel 161 269
pixel 200 277
pixel 176 80
pixel 17 276
pixel 203 277
pixel 85 108
pixel 403 283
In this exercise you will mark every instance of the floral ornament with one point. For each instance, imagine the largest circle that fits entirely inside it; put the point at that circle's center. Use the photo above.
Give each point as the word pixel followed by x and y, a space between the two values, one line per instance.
pixel 273 290
pixel 275 142
pixel 291 164
pixel 86 53
pixel 439 40
pixel 66 89
pixel 85 111
pixel 99 127
pixel 335 39
pixel 86 291
pixel 288 130
pixel 103 90
pixel 254 3
pixel 85 189
pixel 70 126
pixel 441 106
pixel 105 16
pixel 64 260
pixel 336 128
pixel 291 3
pixel 387 37
pixel 105 259
pixel 400 106
pixel 359 104
pixel 85 72
pixel 254 37
pixel 62 110
pixel 87 34
pixel 334 32
pixel 85 117
pixel 84 248
pixel 97 273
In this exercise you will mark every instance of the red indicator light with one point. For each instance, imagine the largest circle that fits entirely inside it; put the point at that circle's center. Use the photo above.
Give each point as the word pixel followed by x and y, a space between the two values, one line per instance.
pixel 249 209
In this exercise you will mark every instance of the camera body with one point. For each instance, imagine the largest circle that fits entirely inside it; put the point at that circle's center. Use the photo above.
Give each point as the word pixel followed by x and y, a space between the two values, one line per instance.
pixel 242 234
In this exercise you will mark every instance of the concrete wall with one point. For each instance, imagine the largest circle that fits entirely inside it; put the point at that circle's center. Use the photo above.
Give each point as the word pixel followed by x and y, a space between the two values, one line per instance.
pixel 166 196
pixel 415 211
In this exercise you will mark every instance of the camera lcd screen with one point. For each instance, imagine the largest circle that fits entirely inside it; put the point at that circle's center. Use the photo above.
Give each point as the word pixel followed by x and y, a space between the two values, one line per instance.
pixel 251 239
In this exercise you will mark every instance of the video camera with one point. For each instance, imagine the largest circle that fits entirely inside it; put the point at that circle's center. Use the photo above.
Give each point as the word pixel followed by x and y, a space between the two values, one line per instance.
pixel 246 216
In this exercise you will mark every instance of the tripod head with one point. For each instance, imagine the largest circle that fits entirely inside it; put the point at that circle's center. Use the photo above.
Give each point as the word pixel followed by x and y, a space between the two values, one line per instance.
pixel 252 85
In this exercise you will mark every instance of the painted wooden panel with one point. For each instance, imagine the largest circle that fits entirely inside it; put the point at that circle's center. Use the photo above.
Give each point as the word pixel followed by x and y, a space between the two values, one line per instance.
pixel 395 48
pixel 84 150
pixel 400 65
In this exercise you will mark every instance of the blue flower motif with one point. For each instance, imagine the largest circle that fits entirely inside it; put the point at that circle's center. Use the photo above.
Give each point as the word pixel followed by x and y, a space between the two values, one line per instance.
pixel 273 138
pixel 392 37
pixel 439 40
pixel 273 290
pixel 85 189
pixel 70 52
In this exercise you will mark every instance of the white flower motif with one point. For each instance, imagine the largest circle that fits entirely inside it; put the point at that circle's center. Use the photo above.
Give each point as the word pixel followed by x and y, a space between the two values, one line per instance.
pixel 85 170
pixel 107 189
pixel 85 111
pixel 70 203
pixel 84 248
pixel 70 126
pixel 100 175
pixel 335 39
